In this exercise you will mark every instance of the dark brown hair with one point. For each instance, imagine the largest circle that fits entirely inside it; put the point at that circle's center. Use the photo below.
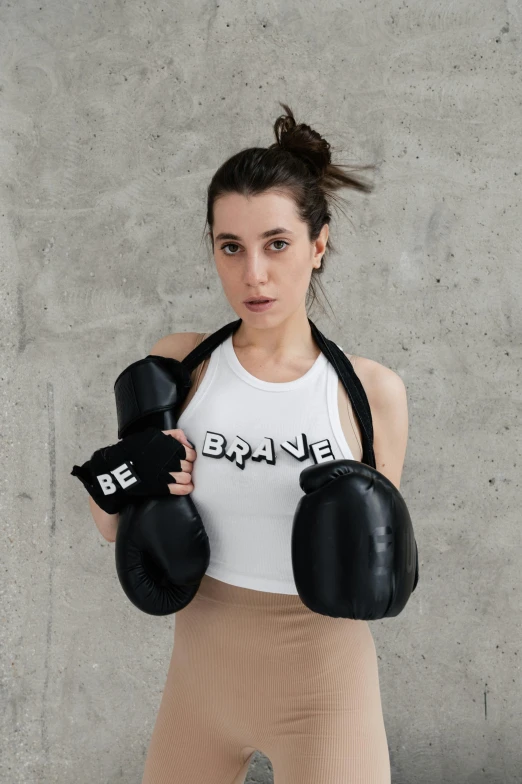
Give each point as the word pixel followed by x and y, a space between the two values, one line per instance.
pixel 297 163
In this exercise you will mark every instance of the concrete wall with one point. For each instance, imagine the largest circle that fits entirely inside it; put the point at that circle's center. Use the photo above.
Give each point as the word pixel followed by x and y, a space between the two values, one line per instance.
pixel 113 118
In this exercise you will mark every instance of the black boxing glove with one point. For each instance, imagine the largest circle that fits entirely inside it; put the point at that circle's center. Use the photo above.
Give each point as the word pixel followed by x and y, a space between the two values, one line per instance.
pixel 135 467
pixel 354 553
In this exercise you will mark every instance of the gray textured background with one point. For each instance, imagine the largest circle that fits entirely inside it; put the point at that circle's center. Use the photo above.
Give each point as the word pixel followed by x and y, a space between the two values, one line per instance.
pixel 113 118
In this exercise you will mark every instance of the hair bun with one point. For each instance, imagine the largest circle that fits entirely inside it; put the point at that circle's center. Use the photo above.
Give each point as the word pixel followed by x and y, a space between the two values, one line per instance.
pixel 302 141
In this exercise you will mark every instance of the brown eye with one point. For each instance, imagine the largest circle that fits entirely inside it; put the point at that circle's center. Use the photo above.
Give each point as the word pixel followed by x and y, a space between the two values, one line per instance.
pixel 227 246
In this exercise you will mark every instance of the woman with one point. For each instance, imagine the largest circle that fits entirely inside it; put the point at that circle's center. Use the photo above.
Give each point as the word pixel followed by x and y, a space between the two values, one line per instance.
pixel 252 667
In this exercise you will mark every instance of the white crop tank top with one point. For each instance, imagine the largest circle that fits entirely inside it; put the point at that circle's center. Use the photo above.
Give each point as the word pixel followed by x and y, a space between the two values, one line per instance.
pixel 253 438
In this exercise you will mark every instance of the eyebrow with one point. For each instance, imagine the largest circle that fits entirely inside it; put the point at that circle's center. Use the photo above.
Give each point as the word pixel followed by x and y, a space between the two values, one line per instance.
pixel 269 233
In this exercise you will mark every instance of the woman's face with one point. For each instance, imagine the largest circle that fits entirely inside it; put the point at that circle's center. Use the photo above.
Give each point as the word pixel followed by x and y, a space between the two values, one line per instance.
pixel 250 265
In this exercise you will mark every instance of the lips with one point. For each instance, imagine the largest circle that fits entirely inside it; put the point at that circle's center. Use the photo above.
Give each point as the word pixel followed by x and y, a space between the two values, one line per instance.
pixel 259 299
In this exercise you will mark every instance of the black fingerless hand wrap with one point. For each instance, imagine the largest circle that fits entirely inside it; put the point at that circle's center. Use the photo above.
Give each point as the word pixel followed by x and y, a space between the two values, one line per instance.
pixel 135 467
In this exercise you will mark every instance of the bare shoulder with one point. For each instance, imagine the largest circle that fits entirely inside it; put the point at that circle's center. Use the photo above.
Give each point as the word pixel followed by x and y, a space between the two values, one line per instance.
pixel 176 346
pixel 387 396
pixel 381 384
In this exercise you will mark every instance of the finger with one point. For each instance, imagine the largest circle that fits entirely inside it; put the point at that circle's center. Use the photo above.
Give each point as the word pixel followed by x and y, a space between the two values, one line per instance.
pixel 186 467
pixel 181 489
pixel 177 432
pixel 181 477
pixel 179 435
pixel 190 454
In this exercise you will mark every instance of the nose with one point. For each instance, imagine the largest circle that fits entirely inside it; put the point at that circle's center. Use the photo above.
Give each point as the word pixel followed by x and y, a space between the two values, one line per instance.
pixel 254 269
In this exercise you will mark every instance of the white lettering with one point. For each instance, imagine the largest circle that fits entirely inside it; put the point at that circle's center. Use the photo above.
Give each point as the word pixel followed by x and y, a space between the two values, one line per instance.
pixel 321 451
pixel 107 485
pixel 125 475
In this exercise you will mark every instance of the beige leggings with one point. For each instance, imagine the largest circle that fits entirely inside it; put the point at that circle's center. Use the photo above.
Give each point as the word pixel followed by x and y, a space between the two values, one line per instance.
pixel 252 670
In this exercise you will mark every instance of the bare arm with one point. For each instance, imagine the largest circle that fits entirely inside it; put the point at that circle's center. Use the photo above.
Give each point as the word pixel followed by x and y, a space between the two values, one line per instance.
pixel 388 401
pixel 107 524
pixel 389 405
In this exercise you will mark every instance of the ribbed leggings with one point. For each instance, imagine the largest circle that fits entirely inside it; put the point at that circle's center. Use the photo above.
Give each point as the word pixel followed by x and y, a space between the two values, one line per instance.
pixel 252 670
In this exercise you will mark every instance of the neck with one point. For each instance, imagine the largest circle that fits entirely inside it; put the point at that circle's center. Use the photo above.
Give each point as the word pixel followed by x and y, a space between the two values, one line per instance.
pixel 292 337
